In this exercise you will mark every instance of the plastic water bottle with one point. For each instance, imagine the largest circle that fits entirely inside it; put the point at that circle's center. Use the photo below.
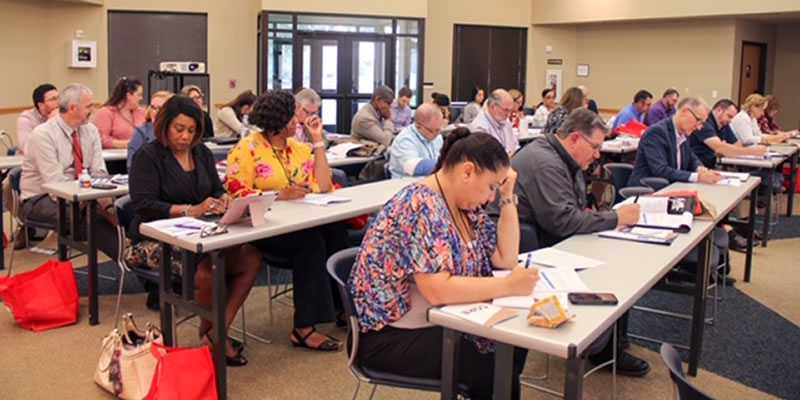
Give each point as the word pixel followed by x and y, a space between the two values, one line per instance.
pixel 85 180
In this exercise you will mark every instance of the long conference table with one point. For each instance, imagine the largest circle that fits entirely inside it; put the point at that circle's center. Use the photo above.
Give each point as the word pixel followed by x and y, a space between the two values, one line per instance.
pixel 284 217
pixel 630 270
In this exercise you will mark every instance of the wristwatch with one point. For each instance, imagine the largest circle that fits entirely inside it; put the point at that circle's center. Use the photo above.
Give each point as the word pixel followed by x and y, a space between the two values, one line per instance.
pixel 512 200
pixel 185 211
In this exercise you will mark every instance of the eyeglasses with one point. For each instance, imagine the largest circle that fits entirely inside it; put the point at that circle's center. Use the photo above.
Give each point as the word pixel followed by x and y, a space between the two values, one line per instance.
pixel 699 121
pixel 506 111
pixel 51 98
pixel 309 113
pixel 433 131
pixel 196 97
pixel 595 147
pixel 213 230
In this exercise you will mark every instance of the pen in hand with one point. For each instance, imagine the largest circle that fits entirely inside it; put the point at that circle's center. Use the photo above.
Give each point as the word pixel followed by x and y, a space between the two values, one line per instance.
pixel 528 261
pixel 636 200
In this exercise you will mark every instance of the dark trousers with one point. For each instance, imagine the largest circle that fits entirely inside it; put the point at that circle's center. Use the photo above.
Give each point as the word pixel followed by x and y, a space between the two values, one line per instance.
pixel 418 353
pixel 315 298
pixel 44 209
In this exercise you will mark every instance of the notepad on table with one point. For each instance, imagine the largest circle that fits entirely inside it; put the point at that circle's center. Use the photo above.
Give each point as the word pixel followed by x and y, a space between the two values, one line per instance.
pixel 555 258
pixel 664 212
pixel 341 150
pixel 181 226
pixel 480 313
pixel 558 282
pixel 742 176
pixel 321 199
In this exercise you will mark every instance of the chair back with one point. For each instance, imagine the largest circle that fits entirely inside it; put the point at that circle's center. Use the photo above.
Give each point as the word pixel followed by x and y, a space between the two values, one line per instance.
pixel 528 239
pixel 635 191
pixel 655 182
pixel 14 177
pixel 124 211
pixel 618 173
pixel 684 390
pixel 339 266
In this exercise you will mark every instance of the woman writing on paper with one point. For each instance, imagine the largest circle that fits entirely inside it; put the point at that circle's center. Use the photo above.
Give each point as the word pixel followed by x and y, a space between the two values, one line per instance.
pixel 433 244
pixel 175 176
pixel 271 160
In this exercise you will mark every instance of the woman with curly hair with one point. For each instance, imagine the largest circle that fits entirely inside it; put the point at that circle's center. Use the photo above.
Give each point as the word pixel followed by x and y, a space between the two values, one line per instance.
pixel 271 160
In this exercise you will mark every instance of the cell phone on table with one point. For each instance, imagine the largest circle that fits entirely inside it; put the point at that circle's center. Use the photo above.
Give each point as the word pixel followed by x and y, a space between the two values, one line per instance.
pixel 104 186
pixel 593 298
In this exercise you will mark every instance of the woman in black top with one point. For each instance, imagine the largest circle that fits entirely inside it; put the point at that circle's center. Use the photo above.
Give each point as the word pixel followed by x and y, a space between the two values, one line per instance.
pixel 175 176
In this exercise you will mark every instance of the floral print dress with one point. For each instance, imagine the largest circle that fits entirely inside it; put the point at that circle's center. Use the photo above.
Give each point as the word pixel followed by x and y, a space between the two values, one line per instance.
pixel 414 233
pixel 254 165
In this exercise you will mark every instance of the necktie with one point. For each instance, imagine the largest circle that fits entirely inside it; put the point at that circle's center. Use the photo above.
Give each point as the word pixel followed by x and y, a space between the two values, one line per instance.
pixel 77 154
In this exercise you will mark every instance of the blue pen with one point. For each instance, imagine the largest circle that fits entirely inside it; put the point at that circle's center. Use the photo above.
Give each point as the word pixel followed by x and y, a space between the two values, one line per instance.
pixel 528 261
pixel 184 226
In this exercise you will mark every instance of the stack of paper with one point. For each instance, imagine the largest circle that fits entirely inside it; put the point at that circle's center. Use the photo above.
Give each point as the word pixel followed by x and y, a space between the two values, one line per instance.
pixel 181 226
pixel 741 176
pixel 340 150
pixel 644 235
pixel 480 313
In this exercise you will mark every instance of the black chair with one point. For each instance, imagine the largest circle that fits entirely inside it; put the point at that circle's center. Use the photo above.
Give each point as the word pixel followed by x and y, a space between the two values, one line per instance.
pixel 683 389
pixel 654 182
pixel 339 266
pixel 528 239
pixel 618 173
pixel 634 191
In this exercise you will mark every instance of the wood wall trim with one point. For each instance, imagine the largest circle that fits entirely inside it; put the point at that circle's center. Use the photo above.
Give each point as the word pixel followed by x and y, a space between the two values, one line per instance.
pixel 608 110
pixel 13 110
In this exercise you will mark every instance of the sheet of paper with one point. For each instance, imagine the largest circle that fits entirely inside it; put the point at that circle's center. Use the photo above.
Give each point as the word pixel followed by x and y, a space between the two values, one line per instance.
pixel 659 233
pixel 558 282
pixel 181 226
pixel 742 176
pixel 321 199
pixel 623 235
pixel 661 220
pixel 729 182
pixel 555 258
pixel 647 204
pixel 340 150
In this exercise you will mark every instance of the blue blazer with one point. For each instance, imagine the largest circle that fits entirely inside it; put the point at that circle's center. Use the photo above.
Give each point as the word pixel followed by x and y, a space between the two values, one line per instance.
pixel 657 155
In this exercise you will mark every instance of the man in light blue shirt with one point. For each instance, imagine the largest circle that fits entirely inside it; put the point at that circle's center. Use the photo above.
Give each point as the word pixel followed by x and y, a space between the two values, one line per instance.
pixel 494 120
pixel 636 110
pixel 416 149
pixel 401 112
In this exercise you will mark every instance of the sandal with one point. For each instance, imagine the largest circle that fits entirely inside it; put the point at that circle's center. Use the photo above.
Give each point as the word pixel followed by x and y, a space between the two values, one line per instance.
pixel 341 321
pixel 328 345
pixel 237 361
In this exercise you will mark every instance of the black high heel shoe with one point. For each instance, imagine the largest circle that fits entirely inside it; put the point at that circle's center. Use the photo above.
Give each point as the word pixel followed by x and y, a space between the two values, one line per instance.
pixel 328 345
pixel 238 360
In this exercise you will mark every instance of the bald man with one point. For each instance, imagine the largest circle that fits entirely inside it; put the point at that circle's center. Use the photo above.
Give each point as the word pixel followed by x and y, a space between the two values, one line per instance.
pixel 494 120
pixel 415 150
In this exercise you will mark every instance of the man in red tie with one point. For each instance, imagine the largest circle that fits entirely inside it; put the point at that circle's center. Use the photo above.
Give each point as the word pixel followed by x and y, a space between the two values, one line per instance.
pixel 57 151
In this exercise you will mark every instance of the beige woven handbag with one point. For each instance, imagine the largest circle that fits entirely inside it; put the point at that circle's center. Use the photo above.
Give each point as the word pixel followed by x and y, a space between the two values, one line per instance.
pixel 126 365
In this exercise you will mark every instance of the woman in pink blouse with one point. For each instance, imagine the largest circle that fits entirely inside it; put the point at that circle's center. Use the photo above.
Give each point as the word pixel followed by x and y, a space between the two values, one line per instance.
pixel 121 114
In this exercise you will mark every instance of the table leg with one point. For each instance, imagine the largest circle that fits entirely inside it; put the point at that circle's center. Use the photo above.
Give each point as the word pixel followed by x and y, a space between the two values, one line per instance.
pixel 573 378
pixel 768 213
pixel 94 317
pixel 792 183
pixel 751 229
pixel 61 227
pixel 503 369
pixel 451 343
pixel 2 225
pixel 165 287
pixel 218 297
pixel 704 252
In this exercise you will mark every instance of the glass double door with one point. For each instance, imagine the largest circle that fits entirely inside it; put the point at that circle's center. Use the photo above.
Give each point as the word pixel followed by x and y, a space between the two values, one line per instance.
pixel 344 70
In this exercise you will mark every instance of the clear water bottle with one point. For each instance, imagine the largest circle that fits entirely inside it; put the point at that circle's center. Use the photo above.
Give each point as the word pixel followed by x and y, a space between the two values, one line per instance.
pixel 85 180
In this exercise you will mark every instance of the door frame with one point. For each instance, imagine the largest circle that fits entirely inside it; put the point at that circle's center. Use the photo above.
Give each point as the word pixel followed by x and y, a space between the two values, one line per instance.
pixel 762 70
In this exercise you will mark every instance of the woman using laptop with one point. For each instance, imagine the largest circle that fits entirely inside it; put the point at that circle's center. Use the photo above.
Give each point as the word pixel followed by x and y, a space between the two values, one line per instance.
pixel 175 176
pixel 433 244
pixel 271 160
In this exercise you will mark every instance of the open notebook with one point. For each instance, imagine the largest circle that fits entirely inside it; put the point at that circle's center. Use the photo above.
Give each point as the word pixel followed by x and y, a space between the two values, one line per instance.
pixel 673 213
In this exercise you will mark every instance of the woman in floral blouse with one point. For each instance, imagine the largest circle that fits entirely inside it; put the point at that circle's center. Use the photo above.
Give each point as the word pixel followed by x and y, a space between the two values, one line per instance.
pixel 433 244
pixel 271 160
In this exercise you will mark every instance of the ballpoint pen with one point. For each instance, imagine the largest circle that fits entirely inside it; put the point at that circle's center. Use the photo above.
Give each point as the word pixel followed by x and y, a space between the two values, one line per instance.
pixel 528 261
pixel 184 226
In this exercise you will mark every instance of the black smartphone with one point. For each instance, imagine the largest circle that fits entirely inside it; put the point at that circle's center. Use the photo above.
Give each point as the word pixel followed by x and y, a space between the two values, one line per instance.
pixel 593 298
pixel 104 186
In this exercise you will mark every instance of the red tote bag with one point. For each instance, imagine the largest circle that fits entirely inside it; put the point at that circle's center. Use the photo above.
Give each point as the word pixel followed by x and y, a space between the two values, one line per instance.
pixel 182 373
pixel 44 298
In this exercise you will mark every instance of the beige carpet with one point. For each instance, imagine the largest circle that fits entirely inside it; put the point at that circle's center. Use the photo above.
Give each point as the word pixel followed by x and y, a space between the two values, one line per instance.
pixel 59 363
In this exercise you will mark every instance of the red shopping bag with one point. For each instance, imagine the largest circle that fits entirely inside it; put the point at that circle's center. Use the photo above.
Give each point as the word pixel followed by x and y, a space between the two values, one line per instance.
pixel 633 128
pixel 44 298
pixel 182 373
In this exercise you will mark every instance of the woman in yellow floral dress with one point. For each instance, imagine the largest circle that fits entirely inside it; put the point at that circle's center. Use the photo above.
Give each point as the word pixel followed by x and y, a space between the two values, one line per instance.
pixel 271 160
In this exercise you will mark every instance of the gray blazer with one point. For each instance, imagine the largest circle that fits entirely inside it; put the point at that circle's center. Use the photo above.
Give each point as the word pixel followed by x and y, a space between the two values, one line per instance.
pixel 368 124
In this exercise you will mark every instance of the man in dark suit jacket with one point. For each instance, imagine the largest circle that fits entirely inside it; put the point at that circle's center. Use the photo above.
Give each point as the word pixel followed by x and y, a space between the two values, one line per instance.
pixel 664 150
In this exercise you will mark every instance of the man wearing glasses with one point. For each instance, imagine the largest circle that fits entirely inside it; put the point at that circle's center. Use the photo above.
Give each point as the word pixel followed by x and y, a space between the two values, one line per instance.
pixel 307 103
pixel 416 149
pixel 494 120
pixel 45 102
pixel 665 152
pixel 374 120
pixel 551 194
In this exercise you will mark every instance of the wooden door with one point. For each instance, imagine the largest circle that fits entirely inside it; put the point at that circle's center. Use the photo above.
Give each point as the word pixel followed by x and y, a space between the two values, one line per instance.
pixel 753 69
